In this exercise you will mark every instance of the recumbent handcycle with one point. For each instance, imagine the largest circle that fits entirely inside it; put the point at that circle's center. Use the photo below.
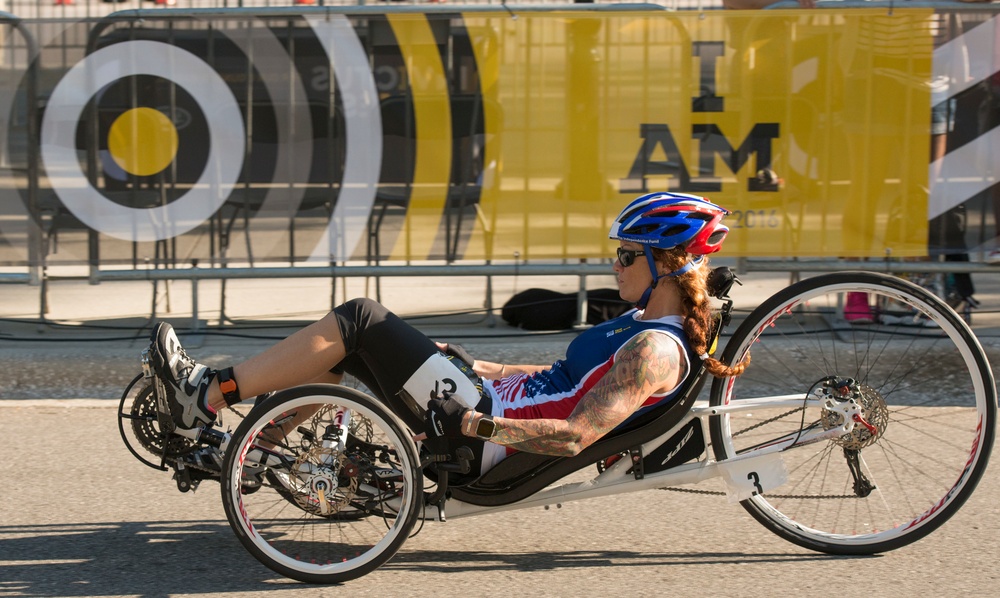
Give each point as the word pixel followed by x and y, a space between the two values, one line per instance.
pixel 843 438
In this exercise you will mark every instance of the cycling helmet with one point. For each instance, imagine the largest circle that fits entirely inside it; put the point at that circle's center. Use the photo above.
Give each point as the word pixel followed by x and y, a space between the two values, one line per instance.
pixel 668 220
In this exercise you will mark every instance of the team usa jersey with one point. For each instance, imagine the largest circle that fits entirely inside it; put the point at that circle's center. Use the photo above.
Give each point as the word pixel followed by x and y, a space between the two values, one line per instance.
pixel 554 393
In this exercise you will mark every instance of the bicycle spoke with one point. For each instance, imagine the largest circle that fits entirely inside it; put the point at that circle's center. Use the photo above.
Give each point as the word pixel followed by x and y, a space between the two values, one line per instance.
pixel 932 431
pixel 321 512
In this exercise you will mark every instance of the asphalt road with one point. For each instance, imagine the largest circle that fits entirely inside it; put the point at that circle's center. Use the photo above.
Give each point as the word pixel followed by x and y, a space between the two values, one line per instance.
pixel 81 517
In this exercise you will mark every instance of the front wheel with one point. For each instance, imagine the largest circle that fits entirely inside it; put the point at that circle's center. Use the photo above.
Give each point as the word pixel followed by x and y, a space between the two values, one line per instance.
pixel 322 483
pixel 925 389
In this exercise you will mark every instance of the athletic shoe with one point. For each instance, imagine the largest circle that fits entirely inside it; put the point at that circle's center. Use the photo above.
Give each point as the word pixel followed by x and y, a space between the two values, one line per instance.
pixel 857 310
pixel 993 257
pixel 185 381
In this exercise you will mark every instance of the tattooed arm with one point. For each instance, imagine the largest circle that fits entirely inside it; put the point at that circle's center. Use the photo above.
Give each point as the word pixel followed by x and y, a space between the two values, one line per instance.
pixel 647 364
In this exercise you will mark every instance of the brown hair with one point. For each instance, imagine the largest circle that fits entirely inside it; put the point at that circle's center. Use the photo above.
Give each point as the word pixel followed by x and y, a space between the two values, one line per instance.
pixel 697 308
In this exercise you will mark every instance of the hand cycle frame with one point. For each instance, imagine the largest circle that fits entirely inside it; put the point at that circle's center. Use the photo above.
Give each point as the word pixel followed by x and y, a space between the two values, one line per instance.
pixel 620 478
pixel 895 416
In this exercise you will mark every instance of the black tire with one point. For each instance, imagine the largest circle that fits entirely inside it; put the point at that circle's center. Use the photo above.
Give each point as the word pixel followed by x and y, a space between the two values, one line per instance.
pixel 322 515
pixel 924 384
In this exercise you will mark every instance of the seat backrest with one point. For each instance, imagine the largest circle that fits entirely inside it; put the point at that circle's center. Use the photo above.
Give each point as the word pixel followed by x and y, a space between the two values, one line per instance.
pixel 522 474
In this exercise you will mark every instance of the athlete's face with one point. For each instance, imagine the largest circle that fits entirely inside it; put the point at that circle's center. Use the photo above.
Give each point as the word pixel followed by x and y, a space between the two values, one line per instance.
pixel 635 278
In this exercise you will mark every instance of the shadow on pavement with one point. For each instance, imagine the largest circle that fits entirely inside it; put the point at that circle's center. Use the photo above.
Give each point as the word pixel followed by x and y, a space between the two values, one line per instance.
pixel 203 557
pixel 130 558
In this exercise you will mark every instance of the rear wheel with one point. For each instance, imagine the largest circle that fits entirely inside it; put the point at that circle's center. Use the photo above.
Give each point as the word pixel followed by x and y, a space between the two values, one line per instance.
pixel 925 388
pixel 340 483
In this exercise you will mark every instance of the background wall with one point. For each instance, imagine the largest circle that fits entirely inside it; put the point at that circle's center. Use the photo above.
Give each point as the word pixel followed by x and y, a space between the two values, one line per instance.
pixel 306 135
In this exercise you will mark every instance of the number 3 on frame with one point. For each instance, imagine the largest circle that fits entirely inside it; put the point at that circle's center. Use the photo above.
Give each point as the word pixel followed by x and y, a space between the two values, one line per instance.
pixel 750 477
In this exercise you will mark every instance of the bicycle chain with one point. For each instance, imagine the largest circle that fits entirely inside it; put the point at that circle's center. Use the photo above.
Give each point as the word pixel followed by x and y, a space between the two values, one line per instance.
pixel 767 421
pixel 789 496
pixel 765 495
pixel 684 490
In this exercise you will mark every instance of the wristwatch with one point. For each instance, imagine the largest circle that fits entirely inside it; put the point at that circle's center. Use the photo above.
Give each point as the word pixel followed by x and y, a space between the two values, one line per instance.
pixel 486 428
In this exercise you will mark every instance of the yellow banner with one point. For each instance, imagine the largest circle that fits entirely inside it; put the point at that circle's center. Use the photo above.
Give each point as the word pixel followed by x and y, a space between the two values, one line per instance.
pixel 411 136
pixel 811 126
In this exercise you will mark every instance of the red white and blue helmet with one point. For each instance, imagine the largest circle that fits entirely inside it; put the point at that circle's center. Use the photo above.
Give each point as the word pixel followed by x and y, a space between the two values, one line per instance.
pixel 668 220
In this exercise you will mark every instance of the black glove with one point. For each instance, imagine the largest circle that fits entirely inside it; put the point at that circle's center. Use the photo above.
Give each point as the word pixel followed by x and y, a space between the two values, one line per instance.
pixel 444 417
pixel 460 352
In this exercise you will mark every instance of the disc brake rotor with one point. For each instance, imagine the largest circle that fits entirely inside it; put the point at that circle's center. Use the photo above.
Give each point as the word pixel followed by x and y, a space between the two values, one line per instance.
pixel 325 482
pixel 873 410
pixel 328 488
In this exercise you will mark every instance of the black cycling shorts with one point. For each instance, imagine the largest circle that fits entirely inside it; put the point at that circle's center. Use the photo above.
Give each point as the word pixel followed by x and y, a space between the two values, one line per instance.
pixel 381 348
pixel 384 352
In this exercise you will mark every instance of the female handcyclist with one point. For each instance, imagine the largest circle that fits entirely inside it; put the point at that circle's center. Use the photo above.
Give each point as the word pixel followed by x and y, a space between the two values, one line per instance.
pixel 611 373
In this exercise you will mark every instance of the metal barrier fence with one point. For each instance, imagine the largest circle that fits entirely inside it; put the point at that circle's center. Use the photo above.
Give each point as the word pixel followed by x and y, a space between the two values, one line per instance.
pixel 287 200
pixel 583 271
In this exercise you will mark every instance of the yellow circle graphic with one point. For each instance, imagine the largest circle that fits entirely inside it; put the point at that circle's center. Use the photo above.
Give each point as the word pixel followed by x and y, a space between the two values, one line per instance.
pixel 142 141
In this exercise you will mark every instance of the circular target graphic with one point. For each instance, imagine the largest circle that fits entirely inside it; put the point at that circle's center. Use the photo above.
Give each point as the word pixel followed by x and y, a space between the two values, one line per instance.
pixel 143 143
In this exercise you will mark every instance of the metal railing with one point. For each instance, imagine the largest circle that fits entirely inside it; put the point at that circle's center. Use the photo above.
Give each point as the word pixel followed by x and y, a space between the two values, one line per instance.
pixel 580 270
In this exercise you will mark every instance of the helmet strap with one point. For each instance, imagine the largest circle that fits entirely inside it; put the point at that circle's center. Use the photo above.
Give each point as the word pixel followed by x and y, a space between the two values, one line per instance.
pixel 652 267
pixel 695 263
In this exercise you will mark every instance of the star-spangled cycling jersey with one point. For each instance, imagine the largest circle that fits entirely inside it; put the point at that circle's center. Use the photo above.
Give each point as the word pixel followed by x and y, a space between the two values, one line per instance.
pixel 554 393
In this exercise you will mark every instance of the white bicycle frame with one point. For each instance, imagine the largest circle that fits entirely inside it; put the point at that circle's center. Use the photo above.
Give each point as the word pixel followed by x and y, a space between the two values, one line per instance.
pixel 617 479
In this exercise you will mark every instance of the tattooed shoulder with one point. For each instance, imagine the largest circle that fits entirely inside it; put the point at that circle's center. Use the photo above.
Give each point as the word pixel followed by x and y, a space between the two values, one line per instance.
pixel 653 359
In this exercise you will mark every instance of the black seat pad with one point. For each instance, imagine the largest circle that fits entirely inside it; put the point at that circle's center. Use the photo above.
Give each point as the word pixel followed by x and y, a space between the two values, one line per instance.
pixel 522 474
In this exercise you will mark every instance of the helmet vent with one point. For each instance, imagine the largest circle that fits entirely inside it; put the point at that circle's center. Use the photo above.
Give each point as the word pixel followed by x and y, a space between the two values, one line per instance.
pixel 717 236
pixel 628 215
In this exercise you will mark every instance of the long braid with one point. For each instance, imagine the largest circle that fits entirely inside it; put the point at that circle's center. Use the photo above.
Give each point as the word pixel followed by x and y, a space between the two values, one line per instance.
pixel 698 311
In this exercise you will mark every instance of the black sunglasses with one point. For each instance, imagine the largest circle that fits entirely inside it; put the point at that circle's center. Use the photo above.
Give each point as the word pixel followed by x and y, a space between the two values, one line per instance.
pixel 626 257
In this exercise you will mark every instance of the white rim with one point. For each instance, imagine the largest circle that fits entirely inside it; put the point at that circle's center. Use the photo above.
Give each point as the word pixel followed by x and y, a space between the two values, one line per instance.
pixel 952 332
pixel 284 559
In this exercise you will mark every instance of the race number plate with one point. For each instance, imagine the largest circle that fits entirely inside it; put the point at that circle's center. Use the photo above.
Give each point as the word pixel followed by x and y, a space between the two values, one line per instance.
pixel 750 477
